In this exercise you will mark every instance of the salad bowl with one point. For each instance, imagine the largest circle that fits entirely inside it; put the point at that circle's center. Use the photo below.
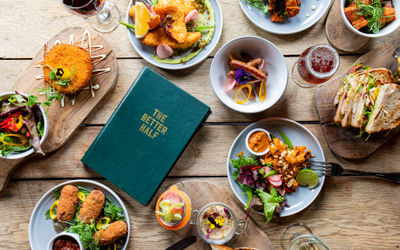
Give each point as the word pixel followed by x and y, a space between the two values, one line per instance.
pixel 23 154
pixel 392 26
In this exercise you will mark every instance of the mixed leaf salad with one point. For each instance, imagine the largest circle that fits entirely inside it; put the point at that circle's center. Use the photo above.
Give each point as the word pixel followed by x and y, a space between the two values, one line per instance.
pixel 266 179
pixel 110 213
pixel 369 16
pixel 21 124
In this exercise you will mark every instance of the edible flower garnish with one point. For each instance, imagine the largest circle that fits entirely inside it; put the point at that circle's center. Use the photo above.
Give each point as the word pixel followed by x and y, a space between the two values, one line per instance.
pixel 242 77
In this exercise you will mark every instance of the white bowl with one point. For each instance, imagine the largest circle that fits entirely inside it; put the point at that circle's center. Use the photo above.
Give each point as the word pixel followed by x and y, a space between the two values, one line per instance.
pixel 28 152
pixel 247 141
pixel 72 235
pixel 275 64
pixel 384 31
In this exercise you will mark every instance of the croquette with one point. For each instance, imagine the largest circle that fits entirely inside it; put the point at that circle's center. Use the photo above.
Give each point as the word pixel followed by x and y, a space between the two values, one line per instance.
pixel 67 204
pixel 76 66
pixel 111 234
pixel 92 206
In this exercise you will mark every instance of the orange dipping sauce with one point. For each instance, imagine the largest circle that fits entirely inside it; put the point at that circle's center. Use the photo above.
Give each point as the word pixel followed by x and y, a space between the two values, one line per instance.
pixel 258 141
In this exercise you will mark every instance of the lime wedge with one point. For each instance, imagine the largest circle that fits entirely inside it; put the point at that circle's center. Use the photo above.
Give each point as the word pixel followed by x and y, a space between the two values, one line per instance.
pixel 307 177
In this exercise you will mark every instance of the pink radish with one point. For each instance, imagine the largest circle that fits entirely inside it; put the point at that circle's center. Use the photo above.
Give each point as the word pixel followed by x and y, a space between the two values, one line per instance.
pixel 229 84
pixel 274 178
pixel 275 183
pixel 192 16
pixel 172 197
pixel 164 51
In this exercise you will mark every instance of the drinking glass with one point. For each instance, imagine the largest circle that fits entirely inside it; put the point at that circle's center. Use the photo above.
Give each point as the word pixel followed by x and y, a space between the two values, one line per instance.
pixel 298 236
pixel 316 65
pixel 102 15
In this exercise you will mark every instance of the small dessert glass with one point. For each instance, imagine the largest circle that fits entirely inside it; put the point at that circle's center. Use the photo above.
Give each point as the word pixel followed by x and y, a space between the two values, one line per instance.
pixel 238 227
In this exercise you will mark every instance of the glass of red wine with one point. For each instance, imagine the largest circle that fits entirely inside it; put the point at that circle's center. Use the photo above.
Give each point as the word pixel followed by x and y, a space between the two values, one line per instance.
pixel 316 65
pixel 102 15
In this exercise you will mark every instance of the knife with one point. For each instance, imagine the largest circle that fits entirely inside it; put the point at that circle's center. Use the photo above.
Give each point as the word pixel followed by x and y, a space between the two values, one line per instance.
pixel 182 244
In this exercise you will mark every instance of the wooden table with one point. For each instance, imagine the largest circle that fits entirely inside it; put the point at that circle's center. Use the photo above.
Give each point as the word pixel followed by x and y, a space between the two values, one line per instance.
pixel 350 213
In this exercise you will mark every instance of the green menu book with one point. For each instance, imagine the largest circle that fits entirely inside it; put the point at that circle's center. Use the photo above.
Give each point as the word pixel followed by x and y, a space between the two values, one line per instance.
pixel 145 135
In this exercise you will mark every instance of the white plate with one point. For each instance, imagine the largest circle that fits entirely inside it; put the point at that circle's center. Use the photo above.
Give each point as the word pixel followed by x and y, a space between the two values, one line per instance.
pixel 299 136
pixel 146 52
pixel 304 20
pixel 275 64
pixel 41 230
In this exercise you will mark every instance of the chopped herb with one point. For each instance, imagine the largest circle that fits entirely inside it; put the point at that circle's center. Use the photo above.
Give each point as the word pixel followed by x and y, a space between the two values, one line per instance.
pixel 258 4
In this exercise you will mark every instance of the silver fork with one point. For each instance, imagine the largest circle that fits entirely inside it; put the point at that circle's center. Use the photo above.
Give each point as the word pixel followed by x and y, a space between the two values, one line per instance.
pixel 334 169
pixel 148 3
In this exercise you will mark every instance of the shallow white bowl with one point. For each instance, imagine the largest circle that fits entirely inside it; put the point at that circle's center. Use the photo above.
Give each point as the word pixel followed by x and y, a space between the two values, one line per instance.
pixel 384 31
pixel 73 235
pixel 247 141
pixel 275 64
pixel 28 152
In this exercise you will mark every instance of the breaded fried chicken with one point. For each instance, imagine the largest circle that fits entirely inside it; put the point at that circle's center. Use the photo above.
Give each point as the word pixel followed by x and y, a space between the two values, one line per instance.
pixel 159 36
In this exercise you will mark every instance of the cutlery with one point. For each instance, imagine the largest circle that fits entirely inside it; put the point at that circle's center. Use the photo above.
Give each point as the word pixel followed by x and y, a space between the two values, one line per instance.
pixel 334 169
pixel 182 244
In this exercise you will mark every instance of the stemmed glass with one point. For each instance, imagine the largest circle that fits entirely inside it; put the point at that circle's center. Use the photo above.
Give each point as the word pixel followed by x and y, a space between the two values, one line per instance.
pixel 298 236
pixel 102 15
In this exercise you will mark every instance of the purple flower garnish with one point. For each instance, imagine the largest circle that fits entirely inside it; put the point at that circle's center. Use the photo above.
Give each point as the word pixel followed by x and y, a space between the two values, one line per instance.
pixel 227 213
pixel 242 77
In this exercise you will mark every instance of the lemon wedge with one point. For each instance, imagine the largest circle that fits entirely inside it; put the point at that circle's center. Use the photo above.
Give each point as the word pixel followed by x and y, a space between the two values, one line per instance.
pixel 142 15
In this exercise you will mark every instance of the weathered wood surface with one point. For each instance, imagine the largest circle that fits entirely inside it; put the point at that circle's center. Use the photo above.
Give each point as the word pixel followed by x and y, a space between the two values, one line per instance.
pixel 345 142
pixel 338 34
pixel 202 193
pixel 60 130
pixel 350 213
pixel 296 104
pixel 26 24
pixel 206 155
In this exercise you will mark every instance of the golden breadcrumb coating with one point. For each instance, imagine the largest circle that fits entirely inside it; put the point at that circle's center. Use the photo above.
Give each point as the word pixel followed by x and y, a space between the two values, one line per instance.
pixel 92 206
pixel 67 204
pixel 72 58
pixel 111 234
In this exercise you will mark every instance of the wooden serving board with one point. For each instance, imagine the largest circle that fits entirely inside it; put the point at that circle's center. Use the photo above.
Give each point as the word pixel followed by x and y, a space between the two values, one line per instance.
pixel 344 142
pixel 338 34
pixel 63 121
pixel 201 193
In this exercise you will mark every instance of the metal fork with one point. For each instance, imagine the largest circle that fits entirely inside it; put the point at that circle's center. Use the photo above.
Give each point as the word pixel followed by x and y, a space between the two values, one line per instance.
pixel 334 169
pixel 148 3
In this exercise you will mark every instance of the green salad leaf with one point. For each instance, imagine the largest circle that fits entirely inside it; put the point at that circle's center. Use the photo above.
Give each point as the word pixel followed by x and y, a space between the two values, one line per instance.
pixel 258 4
pixel 270 200
pixel 113 211
pixel 86 232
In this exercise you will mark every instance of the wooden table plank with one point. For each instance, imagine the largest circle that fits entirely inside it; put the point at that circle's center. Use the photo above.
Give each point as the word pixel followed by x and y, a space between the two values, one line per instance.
pixel 197 83
pixel 350 213
pixel 27 24
pixel 206 155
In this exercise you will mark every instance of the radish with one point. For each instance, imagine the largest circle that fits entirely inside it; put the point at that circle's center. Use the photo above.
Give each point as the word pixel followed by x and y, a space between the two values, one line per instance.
pixel 192 16
pixel 275 180
pixel 229 84
pixel 164 51
pixel 172 197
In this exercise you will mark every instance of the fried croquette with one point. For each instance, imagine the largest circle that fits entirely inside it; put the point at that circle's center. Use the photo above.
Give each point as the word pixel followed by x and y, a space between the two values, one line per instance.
pixel 72 59
pixel 92 206
pixel 159 36
pixel 111 234
pixel 67 204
